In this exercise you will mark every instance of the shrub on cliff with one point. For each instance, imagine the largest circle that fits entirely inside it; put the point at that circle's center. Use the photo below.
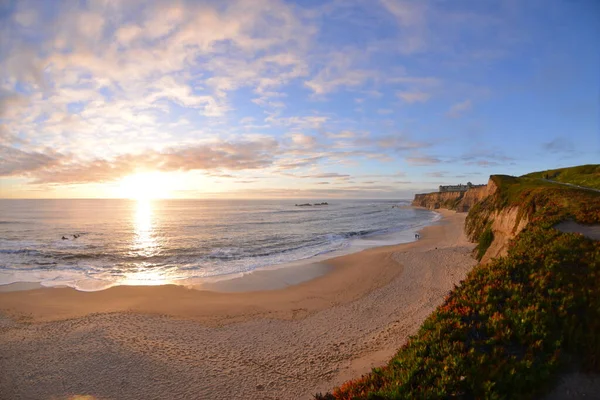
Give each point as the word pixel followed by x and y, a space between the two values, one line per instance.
pixel 485 240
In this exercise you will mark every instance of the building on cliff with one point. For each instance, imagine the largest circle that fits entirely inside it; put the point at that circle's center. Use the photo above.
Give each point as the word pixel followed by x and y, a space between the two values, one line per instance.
pixel 458 188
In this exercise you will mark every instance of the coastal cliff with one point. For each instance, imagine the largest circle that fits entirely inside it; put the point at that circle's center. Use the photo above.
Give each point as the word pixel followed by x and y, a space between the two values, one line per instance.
pixel 436 200
pixel 458 201
pixel 509 207
pixel 532 300
pixel 501 226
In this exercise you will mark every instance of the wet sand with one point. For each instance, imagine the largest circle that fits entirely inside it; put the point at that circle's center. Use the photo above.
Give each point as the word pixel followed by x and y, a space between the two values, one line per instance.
pixel 176 342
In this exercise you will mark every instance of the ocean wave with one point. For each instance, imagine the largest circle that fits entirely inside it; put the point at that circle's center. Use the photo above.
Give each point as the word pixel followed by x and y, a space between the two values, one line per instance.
pixel 319 243
pixel 201 244
pixel 20 251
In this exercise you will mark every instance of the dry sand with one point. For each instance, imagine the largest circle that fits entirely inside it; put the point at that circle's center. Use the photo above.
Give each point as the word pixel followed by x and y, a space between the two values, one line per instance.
pixel 173 342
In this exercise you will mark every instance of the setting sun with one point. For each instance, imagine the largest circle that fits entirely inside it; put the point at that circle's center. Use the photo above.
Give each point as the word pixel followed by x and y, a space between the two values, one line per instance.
pixel 145 186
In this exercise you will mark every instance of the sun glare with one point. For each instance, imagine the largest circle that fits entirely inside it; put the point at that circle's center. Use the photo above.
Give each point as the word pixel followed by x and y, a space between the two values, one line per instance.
pixel 145 186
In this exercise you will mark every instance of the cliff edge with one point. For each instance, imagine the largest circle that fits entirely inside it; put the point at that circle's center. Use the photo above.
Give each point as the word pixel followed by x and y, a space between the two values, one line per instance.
pixel 458 201
pixel 508 209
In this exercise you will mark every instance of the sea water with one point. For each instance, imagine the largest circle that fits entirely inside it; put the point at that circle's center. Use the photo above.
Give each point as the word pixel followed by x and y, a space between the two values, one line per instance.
pixel 95 244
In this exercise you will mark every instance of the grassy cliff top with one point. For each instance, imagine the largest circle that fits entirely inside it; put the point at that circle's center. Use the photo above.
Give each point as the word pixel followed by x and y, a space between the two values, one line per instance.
pixel 582 175
pixel 547 201
pixel 520 191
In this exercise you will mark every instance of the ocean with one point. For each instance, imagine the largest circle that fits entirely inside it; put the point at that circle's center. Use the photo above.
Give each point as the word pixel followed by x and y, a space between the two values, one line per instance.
pixel 92 244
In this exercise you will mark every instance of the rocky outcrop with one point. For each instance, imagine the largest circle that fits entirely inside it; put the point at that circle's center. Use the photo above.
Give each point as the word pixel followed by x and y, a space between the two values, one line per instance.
pixel 459 201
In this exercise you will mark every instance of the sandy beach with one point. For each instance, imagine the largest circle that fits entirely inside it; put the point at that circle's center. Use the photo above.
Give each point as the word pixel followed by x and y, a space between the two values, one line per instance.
pixel 176 342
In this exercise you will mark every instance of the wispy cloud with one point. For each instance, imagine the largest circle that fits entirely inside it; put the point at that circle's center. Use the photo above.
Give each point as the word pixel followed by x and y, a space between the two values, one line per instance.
pixel 558 145
pixel 58 168
pixel 458 109
pixel 483 163
pixel 310 121
pixel 423 160
pixel 302 140
pixel 326 176
pixel 398 143
pixel 339 71
pixel 412 18
pixel 14 162
pixel 345 134
pixel 413 97
pixel 436 174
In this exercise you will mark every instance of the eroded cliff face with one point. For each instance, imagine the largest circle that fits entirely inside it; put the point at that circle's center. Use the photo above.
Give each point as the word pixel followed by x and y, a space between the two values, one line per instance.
pixel 471 197
pixel 491 187
pixel 505 225
pixel 458 201
pixel 436 200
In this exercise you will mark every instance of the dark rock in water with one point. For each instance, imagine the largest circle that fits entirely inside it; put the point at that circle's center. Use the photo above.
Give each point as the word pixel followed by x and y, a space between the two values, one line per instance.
pixel 64 238
pixel 322 204
pixel 304 205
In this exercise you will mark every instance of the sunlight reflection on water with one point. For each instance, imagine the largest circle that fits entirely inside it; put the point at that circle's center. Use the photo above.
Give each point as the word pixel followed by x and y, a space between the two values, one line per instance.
pixel 146 243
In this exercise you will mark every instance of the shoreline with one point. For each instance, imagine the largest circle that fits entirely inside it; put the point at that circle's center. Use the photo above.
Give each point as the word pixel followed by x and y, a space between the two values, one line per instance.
pixel 338 280
pixel 324 330
pixel 270 277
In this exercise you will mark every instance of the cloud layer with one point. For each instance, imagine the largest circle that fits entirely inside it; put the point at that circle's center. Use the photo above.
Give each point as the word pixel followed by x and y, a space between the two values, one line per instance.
pixel 264 92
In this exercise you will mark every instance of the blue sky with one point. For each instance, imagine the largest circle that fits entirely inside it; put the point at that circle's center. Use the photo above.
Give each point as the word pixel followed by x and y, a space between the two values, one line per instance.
pixel 305 99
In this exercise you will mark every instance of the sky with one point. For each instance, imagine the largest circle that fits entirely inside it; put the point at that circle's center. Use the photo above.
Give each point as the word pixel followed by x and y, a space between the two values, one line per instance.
pixel 292 99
